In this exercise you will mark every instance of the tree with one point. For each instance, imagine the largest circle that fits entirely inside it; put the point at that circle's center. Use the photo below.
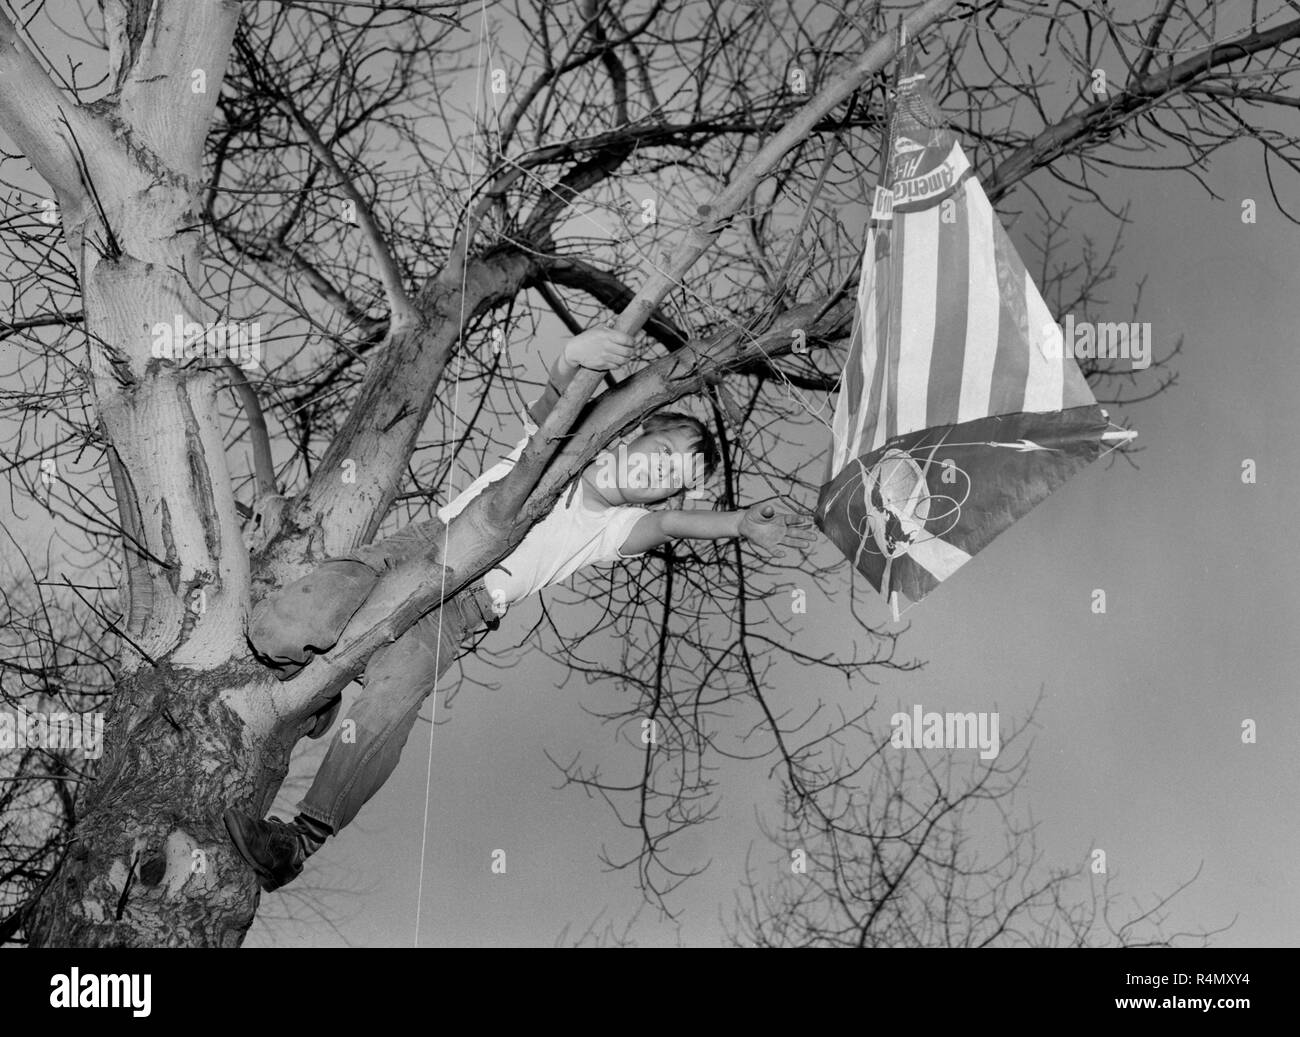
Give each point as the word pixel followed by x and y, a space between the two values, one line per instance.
pixel 230 163
pixel 899 863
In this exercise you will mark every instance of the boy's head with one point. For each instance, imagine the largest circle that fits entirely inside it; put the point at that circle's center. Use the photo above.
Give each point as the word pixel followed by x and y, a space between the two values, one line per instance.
pixel 675 453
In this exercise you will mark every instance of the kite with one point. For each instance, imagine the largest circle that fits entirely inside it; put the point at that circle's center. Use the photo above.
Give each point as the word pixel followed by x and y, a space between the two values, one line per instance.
pixel 960 407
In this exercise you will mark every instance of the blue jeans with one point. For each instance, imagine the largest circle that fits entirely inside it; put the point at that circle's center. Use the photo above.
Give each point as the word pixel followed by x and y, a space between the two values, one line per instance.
pixel 398 678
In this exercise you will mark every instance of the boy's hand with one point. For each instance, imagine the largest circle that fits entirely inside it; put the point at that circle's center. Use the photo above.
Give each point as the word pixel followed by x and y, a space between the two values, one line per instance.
pixel 769 530
pixel 600 349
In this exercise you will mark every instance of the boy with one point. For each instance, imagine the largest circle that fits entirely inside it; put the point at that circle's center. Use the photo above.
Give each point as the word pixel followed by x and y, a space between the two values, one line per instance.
pixel 600 518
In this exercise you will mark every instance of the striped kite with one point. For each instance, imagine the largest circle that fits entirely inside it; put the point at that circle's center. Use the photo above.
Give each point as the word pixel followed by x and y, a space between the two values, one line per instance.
pixel 959 407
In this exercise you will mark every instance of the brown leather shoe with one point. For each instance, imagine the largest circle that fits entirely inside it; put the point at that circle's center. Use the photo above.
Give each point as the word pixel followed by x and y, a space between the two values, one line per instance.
pixel 272 848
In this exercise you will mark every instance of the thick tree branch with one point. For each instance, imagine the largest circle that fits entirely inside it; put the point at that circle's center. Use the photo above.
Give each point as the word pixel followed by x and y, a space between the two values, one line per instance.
pixel 617 73
pixel 1105 116
pixel 394 401
pixel 32 110
pixel 263 462
pixel 1231 93
pixel 400 307
pixel 125 23
pixel 609 290
pixel 170 90
pixel 537 226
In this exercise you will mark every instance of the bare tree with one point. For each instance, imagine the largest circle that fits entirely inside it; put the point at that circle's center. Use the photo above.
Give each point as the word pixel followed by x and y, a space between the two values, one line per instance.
pixel 308 168
pixel 897 860
pixel 50 666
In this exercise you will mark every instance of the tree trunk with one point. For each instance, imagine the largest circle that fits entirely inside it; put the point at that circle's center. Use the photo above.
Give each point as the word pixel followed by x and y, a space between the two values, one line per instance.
pixel 149 863
pixel 190 728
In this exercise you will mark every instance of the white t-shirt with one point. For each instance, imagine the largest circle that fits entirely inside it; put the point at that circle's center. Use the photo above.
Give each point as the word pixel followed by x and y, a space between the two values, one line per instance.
pixel 577 532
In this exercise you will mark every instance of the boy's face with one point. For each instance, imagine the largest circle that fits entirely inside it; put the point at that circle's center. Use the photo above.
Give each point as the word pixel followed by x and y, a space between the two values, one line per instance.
pixel 651 468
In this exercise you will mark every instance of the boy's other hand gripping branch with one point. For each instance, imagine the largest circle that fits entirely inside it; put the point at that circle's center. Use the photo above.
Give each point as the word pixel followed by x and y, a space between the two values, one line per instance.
pixel 600 349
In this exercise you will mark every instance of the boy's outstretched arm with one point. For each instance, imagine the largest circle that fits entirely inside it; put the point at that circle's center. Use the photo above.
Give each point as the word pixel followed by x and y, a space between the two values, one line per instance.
pixel 601 349
pixel 768 530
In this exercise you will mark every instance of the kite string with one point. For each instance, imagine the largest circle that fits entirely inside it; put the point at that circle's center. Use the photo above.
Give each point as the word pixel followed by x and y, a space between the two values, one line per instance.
pixel 455 411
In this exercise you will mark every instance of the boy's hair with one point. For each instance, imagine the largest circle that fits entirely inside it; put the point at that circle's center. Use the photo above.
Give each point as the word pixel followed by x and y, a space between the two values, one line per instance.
pixel 703 441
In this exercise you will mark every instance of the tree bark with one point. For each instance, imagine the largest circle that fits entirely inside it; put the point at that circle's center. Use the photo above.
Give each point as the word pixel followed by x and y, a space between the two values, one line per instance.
pixel 149 863
pixel 191 724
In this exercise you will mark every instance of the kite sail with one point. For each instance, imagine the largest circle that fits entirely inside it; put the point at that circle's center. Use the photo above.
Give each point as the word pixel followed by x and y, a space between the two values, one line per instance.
pixel 959 408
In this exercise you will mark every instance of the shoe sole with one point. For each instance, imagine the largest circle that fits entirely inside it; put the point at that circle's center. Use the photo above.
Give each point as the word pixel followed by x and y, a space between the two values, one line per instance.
pixel 264 878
